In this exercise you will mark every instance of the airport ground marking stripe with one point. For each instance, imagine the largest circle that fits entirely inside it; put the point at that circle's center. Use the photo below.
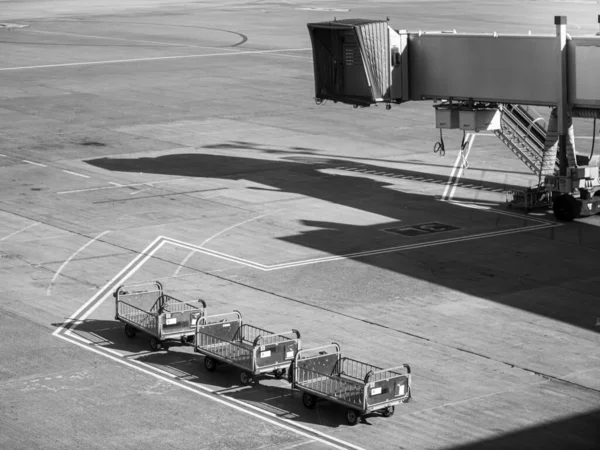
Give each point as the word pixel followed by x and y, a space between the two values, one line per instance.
pixel 76 174
pixel 470 138
pixel 125 277
pixel 31 225
pixel 169 379
pixel 250 406
pixel 451 177
pixel 207 240
pixel 410 247
pixel 108 285
pixel 34 163
pixel 68 260
pixel 287 265
pixel 154 58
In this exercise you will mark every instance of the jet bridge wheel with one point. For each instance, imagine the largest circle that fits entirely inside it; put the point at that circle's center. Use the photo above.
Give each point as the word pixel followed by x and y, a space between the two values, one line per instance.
pixel 566 208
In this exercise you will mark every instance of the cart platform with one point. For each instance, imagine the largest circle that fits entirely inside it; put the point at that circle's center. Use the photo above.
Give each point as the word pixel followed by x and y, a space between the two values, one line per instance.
pixel 225 339
pixel 363 388
pixel 146 308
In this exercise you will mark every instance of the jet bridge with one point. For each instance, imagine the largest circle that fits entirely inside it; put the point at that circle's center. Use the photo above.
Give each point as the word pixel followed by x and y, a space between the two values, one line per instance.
pixel 477 82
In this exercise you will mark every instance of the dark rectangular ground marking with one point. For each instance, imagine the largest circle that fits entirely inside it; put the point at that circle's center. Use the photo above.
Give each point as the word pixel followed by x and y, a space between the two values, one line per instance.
pixel 421 229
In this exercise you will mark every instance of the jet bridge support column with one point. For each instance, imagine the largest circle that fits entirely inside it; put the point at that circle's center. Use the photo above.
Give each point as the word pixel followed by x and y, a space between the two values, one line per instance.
pixel 562 105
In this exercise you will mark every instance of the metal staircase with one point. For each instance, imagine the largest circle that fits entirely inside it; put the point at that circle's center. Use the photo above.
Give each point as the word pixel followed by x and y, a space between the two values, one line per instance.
pixel 523 135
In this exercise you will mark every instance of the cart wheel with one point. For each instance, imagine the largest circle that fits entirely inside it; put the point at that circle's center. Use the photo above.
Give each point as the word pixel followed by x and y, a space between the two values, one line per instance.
pixel 245 378
pixel 352 416
pixel 389 411
pixel 310 401
pixel 154 344
pixel 130 331
pixel 279 373
pixel 210 363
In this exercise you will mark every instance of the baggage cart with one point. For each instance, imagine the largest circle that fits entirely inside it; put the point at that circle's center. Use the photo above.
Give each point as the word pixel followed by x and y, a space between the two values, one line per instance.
pixel 225 339
pixel 529 199
pixel 146 308
pixel 323 373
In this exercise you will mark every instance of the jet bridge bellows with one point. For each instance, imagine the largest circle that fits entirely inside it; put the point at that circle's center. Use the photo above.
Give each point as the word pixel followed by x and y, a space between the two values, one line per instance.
pixel 353 61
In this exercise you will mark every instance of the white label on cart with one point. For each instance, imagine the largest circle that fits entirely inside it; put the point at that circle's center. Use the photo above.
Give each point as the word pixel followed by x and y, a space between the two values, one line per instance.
pixel 226 324
pixel 289 354
pixel 376 391
pixel 265 354
pixel 193 320
pixel 400 389
pixel 171 321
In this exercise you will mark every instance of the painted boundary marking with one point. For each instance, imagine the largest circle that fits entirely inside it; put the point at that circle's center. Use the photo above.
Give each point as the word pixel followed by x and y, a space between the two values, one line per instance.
pixel 154 58
pixel 64 331
pixel 91 305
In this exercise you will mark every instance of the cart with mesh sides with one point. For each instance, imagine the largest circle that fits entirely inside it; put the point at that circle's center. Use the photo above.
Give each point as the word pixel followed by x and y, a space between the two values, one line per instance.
pixel 146 308
pixel 225 339
pixel 530 198
pixel 323 373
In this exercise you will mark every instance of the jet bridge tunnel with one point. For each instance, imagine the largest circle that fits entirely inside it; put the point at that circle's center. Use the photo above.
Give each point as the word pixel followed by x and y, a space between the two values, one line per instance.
pixel 478 82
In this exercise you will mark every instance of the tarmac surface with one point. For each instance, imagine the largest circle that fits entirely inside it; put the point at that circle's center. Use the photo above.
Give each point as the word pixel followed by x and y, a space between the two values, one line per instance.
pixel 179 142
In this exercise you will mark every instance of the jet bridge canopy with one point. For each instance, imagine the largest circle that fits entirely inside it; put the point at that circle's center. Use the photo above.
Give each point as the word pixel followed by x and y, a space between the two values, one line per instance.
pixel 352 61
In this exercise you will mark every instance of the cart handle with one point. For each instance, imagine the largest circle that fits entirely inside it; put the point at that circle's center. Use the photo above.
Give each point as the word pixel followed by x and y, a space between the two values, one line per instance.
pixel 333 344
pixel 204 319
pixel 371 372
pixel 129 286
pixel 203 303
pixel 260 336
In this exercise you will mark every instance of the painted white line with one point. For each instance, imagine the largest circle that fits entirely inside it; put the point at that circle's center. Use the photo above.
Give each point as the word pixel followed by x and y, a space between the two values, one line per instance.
pixel 63 265
pixel 255 408
pixel 125 278
pixel 288 265
pixel 4 156
pixel 155 58
pixel 171 379
pixel 206 241
pixel 449 183
pixel 19 231
pixel 463 156
pixel 110 182
pixel 409 247
pixel 73 317
pixel 34 163
pixel 75 173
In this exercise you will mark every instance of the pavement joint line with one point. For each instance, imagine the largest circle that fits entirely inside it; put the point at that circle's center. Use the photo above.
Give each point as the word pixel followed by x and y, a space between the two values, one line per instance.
pixel 19 231
pixel 116 39
pixel 76 174
pixel 148 59
pixel 227 401
pixel 68 260
pixel 34 163
pixel 166 194
pixel 117 185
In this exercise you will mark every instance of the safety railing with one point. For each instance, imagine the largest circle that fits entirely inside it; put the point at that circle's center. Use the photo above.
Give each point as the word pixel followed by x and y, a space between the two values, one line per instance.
pixel 221 348
pixel 331 386
pixel 137 316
